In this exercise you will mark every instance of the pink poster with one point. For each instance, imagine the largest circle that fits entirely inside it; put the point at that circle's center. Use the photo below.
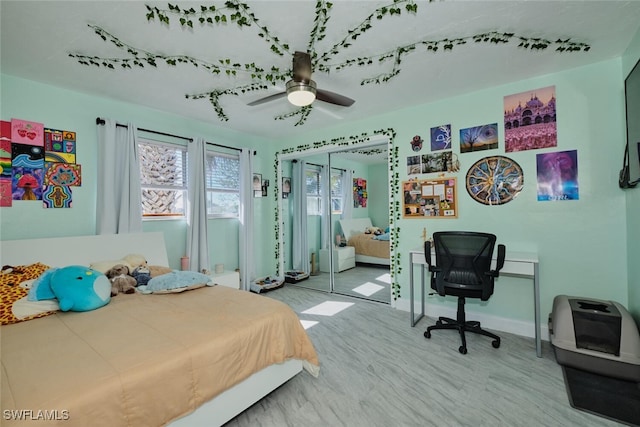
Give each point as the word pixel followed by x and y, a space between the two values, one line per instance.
pixel 5 164
pixel 25 132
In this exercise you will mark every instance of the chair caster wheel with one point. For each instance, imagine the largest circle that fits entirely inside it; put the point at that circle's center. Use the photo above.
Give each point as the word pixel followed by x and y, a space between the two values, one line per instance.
pixel 495 343
pixel 427 334
pixel 462 350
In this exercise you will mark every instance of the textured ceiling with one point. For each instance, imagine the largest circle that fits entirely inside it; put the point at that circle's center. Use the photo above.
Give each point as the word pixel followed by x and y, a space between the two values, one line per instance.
pixel 38 37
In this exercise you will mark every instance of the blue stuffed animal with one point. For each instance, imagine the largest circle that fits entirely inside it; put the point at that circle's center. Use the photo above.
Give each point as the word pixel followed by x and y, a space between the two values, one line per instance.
pixel 76 287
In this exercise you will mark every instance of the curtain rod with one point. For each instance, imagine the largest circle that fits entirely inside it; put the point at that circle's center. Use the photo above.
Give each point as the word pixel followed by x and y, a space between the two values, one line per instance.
pixel 100 121
pixel 320 166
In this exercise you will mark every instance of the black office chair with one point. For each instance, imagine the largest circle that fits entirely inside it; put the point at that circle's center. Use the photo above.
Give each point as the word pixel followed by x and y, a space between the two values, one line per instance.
pixel 463 269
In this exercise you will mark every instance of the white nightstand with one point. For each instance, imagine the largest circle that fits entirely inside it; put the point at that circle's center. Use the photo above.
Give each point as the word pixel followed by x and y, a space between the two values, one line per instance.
pixel 230 279
pixel 344 258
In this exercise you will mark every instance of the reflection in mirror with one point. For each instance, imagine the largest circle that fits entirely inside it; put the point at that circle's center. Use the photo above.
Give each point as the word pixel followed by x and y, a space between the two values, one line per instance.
pixel 323 196
pixel 361 227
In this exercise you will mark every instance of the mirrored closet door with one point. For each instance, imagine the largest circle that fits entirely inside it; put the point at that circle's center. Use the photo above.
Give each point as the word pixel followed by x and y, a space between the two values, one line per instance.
pixel 335 204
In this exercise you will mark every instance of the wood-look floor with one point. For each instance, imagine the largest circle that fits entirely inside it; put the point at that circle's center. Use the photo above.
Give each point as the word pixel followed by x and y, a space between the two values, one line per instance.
pixel 356 282
pixel 376 370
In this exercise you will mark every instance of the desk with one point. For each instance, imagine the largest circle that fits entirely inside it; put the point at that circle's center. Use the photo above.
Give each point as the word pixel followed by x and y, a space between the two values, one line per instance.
pixel 516 264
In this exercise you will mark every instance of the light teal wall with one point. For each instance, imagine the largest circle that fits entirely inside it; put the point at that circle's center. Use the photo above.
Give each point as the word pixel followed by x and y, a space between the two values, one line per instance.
pixel 379 195
pixel 63 109
pixel 582 244
pixel 629 60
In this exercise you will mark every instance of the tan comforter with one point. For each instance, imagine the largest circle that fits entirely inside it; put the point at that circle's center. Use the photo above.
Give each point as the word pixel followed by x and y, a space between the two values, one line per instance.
pixel 364 244
pixel 144 360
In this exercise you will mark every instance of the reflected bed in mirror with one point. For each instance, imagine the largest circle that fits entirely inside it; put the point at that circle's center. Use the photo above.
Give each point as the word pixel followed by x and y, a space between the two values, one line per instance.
pixel 370 248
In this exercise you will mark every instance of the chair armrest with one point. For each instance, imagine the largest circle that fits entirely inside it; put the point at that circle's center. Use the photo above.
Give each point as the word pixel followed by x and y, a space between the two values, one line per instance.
pixel 427 252
pixel 501 255
pixel 499 262
pixel 502 250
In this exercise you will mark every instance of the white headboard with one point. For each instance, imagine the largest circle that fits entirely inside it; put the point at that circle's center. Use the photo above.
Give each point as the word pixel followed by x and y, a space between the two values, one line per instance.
pixel 84 250
pixel 354 226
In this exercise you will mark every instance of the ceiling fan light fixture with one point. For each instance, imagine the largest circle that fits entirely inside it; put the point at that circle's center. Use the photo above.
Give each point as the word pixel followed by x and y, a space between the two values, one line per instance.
pixel 301 94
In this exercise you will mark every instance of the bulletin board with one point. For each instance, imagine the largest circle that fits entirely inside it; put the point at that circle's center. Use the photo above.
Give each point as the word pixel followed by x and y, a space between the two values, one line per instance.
pixel 430 198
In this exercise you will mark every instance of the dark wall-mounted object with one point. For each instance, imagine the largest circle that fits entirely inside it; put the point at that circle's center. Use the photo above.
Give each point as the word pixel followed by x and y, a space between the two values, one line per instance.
pixel 630 173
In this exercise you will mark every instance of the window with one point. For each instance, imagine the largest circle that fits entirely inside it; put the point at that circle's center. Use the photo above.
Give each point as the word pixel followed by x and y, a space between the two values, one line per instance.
pixel 336 192
pixel 223 185
pixel 163 179
pixel 314 207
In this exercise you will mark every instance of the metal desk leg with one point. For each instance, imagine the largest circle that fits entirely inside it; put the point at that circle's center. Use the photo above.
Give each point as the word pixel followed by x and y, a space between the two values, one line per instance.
pixel 536 300
pixel 415 320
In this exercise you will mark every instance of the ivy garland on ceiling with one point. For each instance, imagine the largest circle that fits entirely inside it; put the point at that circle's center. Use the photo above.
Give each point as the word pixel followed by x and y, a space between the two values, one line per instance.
pixel 395 211
pixel 238 13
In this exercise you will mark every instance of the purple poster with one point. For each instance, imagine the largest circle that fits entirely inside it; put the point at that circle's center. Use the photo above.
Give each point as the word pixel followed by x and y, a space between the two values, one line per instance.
pixel 557 175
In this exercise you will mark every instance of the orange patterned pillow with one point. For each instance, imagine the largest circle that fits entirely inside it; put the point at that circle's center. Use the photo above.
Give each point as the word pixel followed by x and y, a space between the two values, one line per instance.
pixel 11 291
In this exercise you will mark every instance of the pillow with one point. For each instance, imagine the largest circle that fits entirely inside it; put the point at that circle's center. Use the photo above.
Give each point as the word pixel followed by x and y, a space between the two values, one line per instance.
pixel 176 281
pixel 13 288
pixel 384 236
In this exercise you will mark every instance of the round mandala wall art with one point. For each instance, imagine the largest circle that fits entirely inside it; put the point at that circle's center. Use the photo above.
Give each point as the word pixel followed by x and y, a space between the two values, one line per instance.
pixel 494 180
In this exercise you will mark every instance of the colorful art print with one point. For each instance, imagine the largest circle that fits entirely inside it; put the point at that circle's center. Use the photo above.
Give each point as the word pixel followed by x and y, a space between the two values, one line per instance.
pixel 441 138
pixel 6 198
pixel 433 198
pixel 52 156
pixel 416 143
pixel 360 194
pixel 60 142
pixel 5 159
pixel 494 180
pixel 438 162
pixel 27 168
pixel 5 131
pixel 557 175
pixel 56 196
pixel 62 174
pixel 530 120
pixel 479 138
pixel 25 132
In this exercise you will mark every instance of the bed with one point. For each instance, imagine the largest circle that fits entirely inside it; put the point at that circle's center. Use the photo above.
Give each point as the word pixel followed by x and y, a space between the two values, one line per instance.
pixel 195 358
pixel 368 249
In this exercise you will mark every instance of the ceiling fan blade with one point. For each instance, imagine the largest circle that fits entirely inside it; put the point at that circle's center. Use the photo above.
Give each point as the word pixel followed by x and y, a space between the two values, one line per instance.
pixel 301 66
pixel 333 98
pixel 267 99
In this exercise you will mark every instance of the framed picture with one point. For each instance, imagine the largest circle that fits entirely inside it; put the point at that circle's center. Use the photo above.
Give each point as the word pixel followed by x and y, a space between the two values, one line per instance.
pixel 286 187
pixel 257 182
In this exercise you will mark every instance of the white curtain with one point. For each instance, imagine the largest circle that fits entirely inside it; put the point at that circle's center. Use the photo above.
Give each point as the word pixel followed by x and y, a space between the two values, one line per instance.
pixel 197 235
pixel 119 198
pixel 247 262
pixel 300 246
pixel 325 194
pixel 347 195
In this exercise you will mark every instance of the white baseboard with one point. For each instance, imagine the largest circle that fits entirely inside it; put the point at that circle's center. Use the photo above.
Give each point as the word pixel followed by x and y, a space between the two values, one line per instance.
pixel 489 321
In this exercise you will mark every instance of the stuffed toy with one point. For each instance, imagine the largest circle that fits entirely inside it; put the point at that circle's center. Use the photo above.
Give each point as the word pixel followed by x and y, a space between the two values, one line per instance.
pixel 120 280
pixel 135 261
pixel 141 274
pixel 176 281
pixel 158 270
pixel 373 230
pixel 77 288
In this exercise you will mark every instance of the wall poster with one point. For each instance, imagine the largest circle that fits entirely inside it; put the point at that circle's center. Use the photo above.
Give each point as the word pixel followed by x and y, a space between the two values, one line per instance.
pixel 430 198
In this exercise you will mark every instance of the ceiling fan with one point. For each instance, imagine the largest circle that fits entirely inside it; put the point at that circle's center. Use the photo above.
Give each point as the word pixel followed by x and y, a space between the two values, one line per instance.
pixel 301 90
